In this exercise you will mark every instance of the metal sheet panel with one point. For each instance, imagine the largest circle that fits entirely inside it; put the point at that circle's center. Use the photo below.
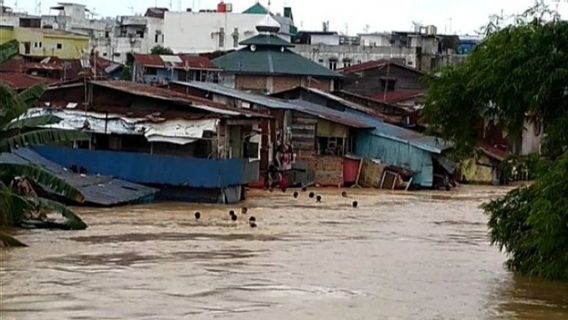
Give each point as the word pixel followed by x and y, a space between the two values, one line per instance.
pixel 152 169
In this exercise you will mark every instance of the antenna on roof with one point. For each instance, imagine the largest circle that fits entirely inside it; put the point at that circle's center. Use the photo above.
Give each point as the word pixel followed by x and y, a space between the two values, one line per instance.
pixel 38 7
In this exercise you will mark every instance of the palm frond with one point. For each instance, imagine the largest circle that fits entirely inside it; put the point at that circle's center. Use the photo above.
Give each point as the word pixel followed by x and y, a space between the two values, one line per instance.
pixel 73 221
pixel 32 94
pixel 41 136
pixel 11 106
pixel 13 207
pixel 43 178
pixel 10 241
pixel 33 122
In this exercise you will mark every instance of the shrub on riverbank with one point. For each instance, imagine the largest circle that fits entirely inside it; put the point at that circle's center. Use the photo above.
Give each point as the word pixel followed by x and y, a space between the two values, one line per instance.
pixel 531 225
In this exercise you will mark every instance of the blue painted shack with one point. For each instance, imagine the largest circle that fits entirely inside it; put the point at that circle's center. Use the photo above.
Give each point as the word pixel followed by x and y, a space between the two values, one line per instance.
pixel 393 145
pixel 190 148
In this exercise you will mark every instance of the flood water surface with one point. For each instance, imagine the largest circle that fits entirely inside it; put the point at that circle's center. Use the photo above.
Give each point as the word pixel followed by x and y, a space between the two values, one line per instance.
pixel 421 255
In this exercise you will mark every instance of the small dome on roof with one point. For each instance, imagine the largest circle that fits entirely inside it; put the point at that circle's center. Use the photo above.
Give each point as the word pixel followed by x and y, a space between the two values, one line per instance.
pixel 268 24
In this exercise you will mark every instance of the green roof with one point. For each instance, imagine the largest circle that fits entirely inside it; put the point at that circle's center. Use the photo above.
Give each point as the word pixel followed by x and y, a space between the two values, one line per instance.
pixel 266 40
pixel 257 8
pixel 272 61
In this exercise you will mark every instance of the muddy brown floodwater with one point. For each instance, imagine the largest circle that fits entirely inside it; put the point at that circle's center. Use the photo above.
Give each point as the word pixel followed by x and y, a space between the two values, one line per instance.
pixel 421 255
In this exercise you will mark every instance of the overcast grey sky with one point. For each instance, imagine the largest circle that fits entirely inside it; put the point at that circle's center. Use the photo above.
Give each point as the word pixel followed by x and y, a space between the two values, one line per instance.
pixel 353 16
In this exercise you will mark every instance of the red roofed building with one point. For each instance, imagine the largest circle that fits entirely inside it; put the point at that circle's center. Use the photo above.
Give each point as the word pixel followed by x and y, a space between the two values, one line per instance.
pixel 21 81
pixel 160 69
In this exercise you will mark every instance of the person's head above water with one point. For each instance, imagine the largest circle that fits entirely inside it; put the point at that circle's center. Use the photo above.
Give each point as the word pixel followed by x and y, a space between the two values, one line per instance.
pixel 244 210
pixel 234 217
pixel 312 195
pixel 296 194
pixel 253 218
pixel 197 215
pixel 318 198
pixel 344 194
pixel 355 204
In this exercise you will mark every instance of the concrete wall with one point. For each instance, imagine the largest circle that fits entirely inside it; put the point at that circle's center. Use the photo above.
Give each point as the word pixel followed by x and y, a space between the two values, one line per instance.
pixel 194 32
pixel 375 40
pixel 368 82
pixel 47 43
pixel 332 40
pixel 272 84
pixel 347 55
pixel 532 139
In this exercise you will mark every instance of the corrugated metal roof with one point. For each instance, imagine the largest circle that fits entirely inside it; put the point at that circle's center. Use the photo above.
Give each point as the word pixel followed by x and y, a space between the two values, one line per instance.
pixel 376 64
pixel 266 40
pixel 98 190
pixel 175 97
pixel 187 61
pixel 20 81
pixel 272 103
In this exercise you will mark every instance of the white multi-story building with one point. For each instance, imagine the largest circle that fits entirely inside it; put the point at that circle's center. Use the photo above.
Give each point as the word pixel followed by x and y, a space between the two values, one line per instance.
pixel 422 49
pixel 218 30
pixel 131 34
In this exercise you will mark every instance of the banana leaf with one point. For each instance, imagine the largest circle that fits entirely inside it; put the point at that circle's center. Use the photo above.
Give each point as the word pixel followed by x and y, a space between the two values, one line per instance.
pixel 33 122
pixel 31 95
pixel 10 241
pixel 41 136
pixel 42 177
pixel 73 222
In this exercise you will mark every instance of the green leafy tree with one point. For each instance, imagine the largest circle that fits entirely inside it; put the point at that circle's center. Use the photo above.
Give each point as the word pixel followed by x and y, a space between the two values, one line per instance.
pixel 518 73
pixel 16 132
pixel 161 50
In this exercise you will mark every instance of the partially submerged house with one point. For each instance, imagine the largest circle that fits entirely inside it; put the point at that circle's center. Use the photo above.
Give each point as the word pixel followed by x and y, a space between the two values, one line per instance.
pixel 160 69
pixel 322 130
pixel 304 135
pixel 183 145
pixel 266 65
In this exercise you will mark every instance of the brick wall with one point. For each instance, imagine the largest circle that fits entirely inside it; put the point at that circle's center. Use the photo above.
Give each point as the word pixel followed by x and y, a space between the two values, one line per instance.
pixel 279 83
pixel 328 169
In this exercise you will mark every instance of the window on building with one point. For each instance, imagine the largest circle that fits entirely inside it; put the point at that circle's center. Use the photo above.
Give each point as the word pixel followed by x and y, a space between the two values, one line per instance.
pixel 107 34
pixel 59 46
pixel 236 38
pixel 40 44
pixel 27 47
pixel 151 71
pixel 346 62
pixel 35 44
pixel 388 84
pixel 157 37
pixel 140 33
pixel 330 146
pixel 320 61
pixel 333 64
pixel 221 37
pixel 104 54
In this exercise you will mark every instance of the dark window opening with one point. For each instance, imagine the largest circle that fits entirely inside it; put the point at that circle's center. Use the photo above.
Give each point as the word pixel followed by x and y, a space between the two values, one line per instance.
pixel 333 64
pixel 107 34
pixel 27 47
pixel 140 33
pixel 346 63
pixel 330 146
pixel 388 84
pixel 151 71
pixel 59 46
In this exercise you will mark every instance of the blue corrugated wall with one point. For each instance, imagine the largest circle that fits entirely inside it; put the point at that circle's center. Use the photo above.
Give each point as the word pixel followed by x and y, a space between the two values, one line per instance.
pixel 397 153
pixel 153 169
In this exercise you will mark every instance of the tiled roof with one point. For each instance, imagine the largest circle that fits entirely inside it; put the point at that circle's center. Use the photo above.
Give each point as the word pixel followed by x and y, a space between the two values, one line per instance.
pixel 272 61
pixel 148 91
pixel 179 61
pixel 266 40
pixel 257 8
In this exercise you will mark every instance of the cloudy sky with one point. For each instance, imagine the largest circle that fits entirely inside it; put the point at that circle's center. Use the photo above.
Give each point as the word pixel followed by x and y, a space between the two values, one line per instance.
pixel 354 16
